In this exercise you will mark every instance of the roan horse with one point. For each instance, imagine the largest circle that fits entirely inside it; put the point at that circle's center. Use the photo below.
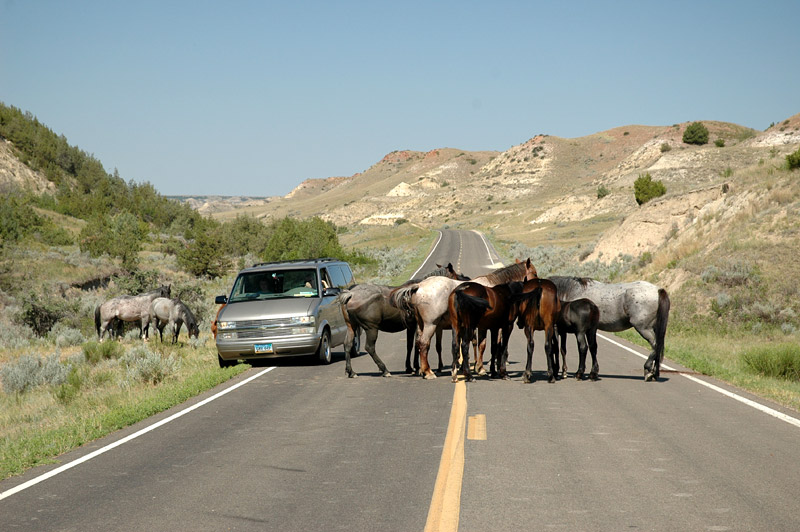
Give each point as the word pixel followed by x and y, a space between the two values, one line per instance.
pixel 581 318
pixel 127 308
pixel 428 300
pixel 164 310
pixel 366 306
pixel 638 304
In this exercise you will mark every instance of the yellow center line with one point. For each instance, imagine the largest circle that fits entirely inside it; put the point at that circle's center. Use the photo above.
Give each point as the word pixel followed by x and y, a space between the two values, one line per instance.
pixel 446 501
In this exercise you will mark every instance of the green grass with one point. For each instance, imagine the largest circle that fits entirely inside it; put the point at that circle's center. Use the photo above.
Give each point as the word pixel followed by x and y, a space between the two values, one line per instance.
pixel 39 425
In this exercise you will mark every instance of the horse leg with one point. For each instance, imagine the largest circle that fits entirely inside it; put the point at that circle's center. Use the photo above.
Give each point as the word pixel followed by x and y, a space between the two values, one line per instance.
pixel 466 341
pixel 439 348
pixel 176 330
pixel 410 346
pixel 563 349
pixel 550 353
pixel 349 350
pixel 591 338
pixel 527 376
pixel 372 337
pixel 455 347
pixel 580 336
pixel 480 348
pixel 652 366
pixel 424 335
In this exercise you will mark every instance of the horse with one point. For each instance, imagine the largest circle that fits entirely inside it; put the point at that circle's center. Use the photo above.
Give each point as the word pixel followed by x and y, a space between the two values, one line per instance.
pixel 638 304
pixel 366 306
pixel 580 317
pixel 164 310
pixel 474 306
pixel 428 300
pixel 127 308
pixel 537 309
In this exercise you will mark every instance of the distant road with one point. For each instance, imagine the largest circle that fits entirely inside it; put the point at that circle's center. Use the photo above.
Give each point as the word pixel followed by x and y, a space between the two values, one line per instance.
pixel 302 447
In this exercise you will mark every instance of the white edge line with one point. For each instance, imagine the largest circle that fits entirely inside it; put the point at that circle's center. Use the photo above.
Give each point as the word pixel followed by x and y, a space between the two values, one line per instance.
pixel 486 244
pixel 414 275
pixel 758 406
pixel 126 439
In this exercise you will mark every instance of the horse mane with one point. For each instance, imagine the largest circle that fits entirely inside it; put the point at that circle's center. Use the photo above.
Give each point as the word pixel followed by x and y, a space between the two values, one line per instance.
pixel 506 274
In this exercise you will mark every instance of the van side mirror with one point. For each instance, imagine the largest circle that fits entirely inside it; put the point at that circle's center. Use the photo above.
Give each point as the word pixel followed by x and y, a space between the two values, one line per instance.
pixel 221 300
pixel 333 291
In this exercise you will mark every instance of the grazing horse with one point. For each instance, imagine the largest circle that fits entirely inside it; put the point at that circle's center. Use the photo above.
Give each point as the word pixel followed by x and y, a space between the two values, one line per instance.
pixel 428 299
pixel 127 308
pixel 173 311
pixel 366 306
pixel 485 308
pixel 638 304
pixel 538 307
pixel 580 317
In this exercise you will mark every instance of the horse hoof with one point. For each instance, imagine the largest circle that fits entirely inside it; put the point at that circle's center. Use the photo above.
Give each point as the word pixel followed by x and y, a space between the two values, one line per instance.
pixel 593 376
pixel 386 374
pixel 429 375
pixel 649 376
pixel 352 374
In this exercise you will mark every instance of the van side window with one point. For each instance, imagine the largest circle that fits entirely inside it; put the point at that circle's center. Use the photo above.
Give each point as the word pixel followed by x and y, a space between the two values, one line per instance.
pixel 337 276
pixel 326 279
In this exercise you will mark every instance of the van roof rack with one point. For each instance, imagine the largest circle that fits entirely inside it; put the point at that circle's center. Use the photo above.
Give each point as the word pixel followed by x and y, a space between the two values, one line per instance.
pixel 292 261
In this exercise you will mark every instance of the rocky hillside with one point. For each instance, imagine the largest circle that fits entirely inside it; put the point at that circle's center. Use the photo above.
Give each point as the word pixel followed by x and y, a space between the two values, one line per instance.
pixel 545 190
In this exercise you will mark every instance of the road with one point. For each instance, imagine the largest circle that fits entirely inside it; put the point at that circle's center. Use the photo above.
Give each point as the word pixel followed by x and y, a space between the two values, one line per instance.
pixel 298 446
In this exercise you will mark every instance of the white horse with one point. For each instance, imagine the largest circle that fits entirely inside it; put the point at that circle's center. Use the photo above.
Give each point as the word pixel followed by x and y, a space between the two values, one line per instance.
pixel 127 308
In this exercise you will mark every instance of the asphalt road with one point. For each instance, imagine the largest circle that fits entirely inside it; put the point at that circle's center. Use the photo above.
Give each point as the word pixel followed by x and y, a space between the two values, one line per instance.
pixel 302 447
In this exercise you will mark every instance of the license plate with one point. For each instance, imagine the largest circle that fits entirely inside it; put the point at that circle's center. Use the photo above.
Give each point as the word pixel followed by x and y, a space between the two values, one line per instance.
pixel 262 348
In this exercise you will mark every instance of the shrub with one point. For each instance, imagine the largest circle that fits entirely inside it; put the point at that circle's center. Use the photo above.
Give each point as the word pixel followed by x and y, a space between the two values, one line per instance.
pixel 719 143
pixel 30 371
pixel 118 236
pixel 665 147
pixel 695 133
pixel 793 160
pixel 204 256
pixel 781 361
pixel 645 189
pixel 65 336
pixel 144 365
pixel 95 352
pixel 602 192
pixel 41 313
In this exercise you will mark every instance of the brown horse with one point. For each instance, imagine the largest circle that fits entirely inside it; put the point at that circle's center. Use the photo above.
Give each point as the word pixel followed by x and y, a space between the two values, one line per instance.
pixel 428 299
pixel 485 308
pixel 538 309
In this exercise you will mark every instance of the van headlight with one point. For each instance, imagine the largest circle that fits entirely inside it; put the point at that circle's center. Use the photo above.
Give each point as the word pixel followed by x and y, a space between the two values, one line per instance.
pixel 226 325
pixel 303 320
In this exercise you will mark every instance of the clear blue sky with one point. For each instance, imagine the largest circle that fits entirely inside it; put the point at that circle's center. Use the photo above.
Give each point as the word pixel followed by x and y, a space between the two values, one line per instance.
pixel 252 98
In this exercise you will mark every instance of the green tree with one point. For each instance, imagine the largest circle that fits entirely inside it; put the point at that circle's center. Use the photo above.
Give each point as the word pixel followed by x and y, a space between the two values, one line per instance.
pixel 793 160
pixel 645 188
pixel 204 255
pixel 695 133
pixel 119 236
pixel 292 239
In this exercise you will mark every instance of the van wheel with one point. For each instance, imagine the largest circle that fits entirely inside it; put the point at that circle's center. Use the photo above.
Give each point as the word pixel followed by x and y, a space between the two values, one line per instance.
pixel 225 363
pixel 324 349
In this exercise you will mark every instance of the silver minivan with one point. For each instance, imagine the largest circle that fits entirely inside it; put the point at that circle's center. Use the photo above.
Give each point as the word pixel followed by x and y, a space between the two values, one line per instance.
pixel 286 308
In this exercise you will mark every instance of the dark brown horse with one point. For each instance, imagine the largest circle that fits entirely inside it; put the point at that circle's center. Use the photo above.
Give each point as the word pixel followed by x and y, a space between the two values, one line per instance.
pixel 485 308
pixel 538 309
pixel 581 318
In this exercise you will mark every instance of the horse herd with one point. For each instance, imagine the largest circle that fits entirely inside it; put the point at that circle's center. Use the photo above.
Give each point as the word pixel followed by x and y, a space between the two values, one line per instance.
pixel 490 305
pixel 154 306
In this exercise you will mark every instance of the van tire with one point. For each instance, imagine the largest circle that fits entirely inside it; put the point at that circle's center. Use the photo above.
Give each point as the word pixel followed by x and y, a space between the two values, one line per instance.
pixel 226 363
pixel 324 349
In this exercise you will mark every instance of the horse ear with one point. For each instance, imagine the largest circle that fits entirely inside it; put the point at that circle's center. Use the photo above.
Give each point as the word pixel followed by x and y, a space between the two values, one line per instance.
pixel 517 261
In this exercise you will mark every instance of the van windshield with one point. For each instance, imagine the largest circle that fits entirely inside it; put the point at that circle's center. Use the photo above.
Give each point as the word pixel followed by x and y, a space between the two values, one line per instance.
pixel 275 284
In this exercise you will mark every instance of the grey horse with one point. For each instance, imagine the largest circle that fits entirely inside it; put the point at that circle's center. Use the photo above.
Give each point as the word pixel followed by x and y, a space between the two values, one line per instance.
pixel 638 304
pixel 127 308
pixel 173 311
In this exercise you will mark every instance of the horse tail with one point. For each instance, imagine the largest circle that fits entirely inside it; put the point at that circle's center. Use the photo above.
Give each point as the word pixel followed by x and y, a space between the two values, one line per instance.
pixel 401 296
pixel 473 305
pixel 344 296
pixel 661 322
pixel 97 320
